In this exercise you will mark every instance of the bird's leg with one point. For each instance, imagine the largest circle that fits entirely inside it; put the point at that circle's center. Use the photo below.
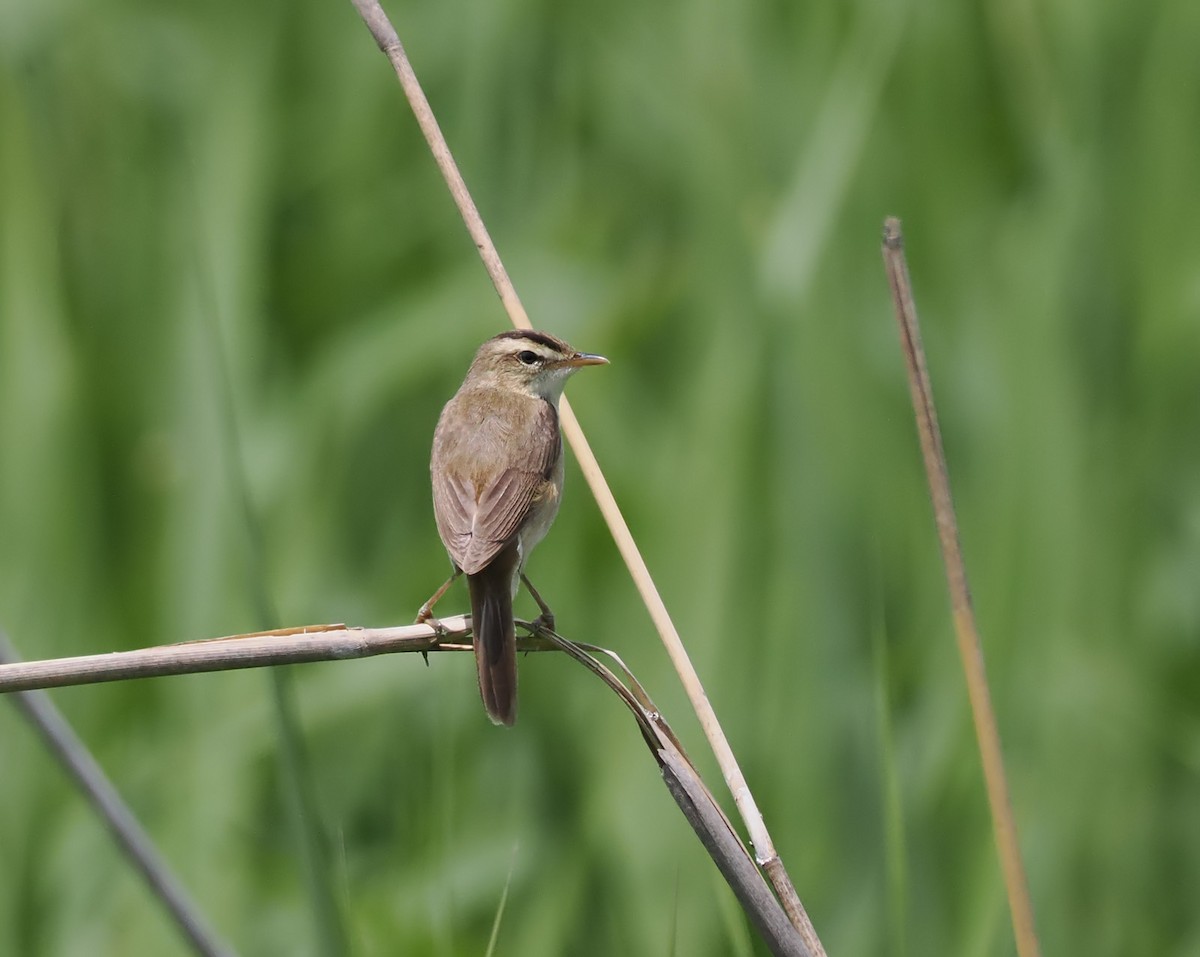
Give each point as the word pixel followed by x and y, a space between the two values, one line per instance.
pixel 426 612
pixel 546 618
pixel 425 615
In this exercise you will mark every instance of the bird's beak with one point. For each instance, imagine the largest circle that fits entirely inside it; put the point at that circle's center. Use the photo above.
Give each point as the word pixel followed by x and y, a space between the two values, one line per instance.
pixel 583 359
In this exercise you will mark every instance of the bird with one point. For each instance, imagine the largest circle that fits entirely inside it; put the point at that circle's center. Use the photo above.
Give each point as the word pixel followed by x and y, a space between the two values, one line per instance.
pixel 497 474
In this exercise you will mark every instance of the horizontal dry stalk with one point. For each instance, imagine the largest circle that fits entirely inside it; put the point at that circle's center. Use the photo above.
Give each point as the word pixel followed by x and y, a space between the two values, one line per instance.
pixel 285 646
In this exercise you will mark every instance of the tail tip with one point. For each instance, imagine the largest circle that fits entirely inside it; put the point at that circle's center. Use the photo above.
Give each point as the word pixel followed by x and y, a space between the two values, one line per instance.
pixel 502 717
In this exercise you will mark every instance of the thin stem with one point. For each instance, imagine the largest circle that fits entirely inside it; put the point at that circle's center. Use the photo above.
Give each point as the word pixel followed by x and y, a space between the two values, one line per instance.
pixel 133 840
pixel 970 647
pixel 496 921
pixel 389 42
pixel 765 854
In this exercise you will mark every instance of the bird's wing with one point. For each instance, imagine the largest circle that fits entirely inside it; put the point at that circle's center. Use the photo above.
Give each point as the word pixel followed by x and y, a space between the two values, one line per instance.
pixel 481 496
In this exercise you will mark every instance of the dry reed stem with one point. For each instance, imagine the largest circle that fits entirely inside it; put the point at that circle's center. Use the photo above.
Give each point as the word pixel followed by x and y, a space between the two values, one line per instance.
pixel 696 803
pixel 286 646
pixel 970 647
pixel 389 42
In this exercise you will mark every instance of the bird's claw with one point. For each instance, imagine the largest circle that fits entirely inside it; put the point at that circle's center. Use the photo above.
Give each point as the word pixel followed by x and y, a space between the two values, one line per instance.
pixel 440 631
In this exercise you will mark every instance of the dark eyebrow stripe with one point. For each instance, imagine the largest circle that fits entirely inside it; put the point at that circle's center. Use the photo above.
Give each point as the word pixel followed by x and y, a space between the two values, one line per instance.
pixel 541 337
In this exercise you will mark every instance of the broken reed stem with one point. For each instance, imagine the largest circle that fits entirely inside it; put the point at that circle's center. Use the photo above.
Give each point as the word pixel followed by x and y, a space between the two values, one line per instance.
pixel 389 42
pixel 970 647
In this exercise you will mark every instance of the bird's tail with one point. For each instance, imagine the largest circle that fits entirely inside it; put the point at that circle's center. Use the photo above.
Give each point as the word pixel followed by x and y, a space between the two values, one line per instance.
pixel 495 638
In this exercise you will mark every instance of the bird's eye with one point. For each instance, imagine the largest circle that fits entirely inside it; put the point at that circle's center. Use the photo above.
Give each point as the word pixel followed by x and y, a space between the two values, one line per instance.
pixel 527 357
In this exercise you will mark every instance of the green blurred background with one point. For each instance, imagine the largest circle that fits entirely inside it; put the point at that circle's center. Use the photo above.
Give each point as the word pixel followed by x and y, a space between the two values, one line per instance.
pixel 696 190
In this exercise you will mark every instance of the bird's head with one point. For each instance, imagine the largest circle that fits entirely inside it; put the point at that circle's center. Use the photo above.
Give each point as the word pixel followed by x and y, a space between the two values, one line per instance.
pixel 530 362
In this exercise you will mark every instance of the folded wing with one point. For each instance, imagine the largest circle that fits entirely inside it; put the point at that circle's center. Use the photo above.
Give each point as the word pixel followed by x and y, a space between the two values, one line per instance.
pixel 484 484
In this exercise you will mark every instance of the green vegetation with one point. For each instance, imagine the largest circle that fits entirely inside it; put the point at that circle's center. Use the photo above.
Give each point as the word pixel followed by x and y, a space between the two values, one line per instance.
pixel 695 190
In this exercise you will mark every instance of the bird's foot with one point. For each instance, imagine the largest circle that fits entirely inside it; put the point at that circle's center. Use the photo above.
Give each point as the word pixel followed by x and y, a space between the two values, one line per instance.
pixel 440 631
pixel 543 622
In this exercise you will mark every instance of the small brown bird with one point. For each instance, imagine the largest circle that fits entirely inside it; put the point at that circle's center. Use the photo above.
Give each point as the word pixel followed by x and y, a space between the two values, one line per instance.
pixel 497 471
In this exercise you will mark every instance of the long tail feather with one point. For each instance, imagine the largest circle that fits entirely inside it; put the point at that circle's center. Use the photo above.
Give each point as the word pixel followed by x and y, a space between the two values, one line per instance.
pixel 495 638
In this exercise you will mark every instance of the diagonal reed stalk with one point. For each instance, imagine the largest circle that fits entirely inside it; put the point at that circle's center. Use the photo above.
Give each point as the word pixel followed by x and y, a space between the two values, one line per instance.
pixel 85 771
pixel 389 42
pixel 970 647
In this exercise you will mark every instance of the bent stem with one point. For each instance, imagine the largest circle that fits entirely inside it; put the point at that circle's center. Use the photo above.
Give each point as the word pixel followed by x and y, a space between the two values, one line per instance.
pixel 696 802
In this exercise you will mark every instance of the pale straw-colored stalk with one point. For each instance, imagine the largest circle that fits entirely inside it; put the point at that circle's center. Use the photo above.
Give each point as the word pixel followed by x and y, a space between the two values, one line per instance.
pixel 764 849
